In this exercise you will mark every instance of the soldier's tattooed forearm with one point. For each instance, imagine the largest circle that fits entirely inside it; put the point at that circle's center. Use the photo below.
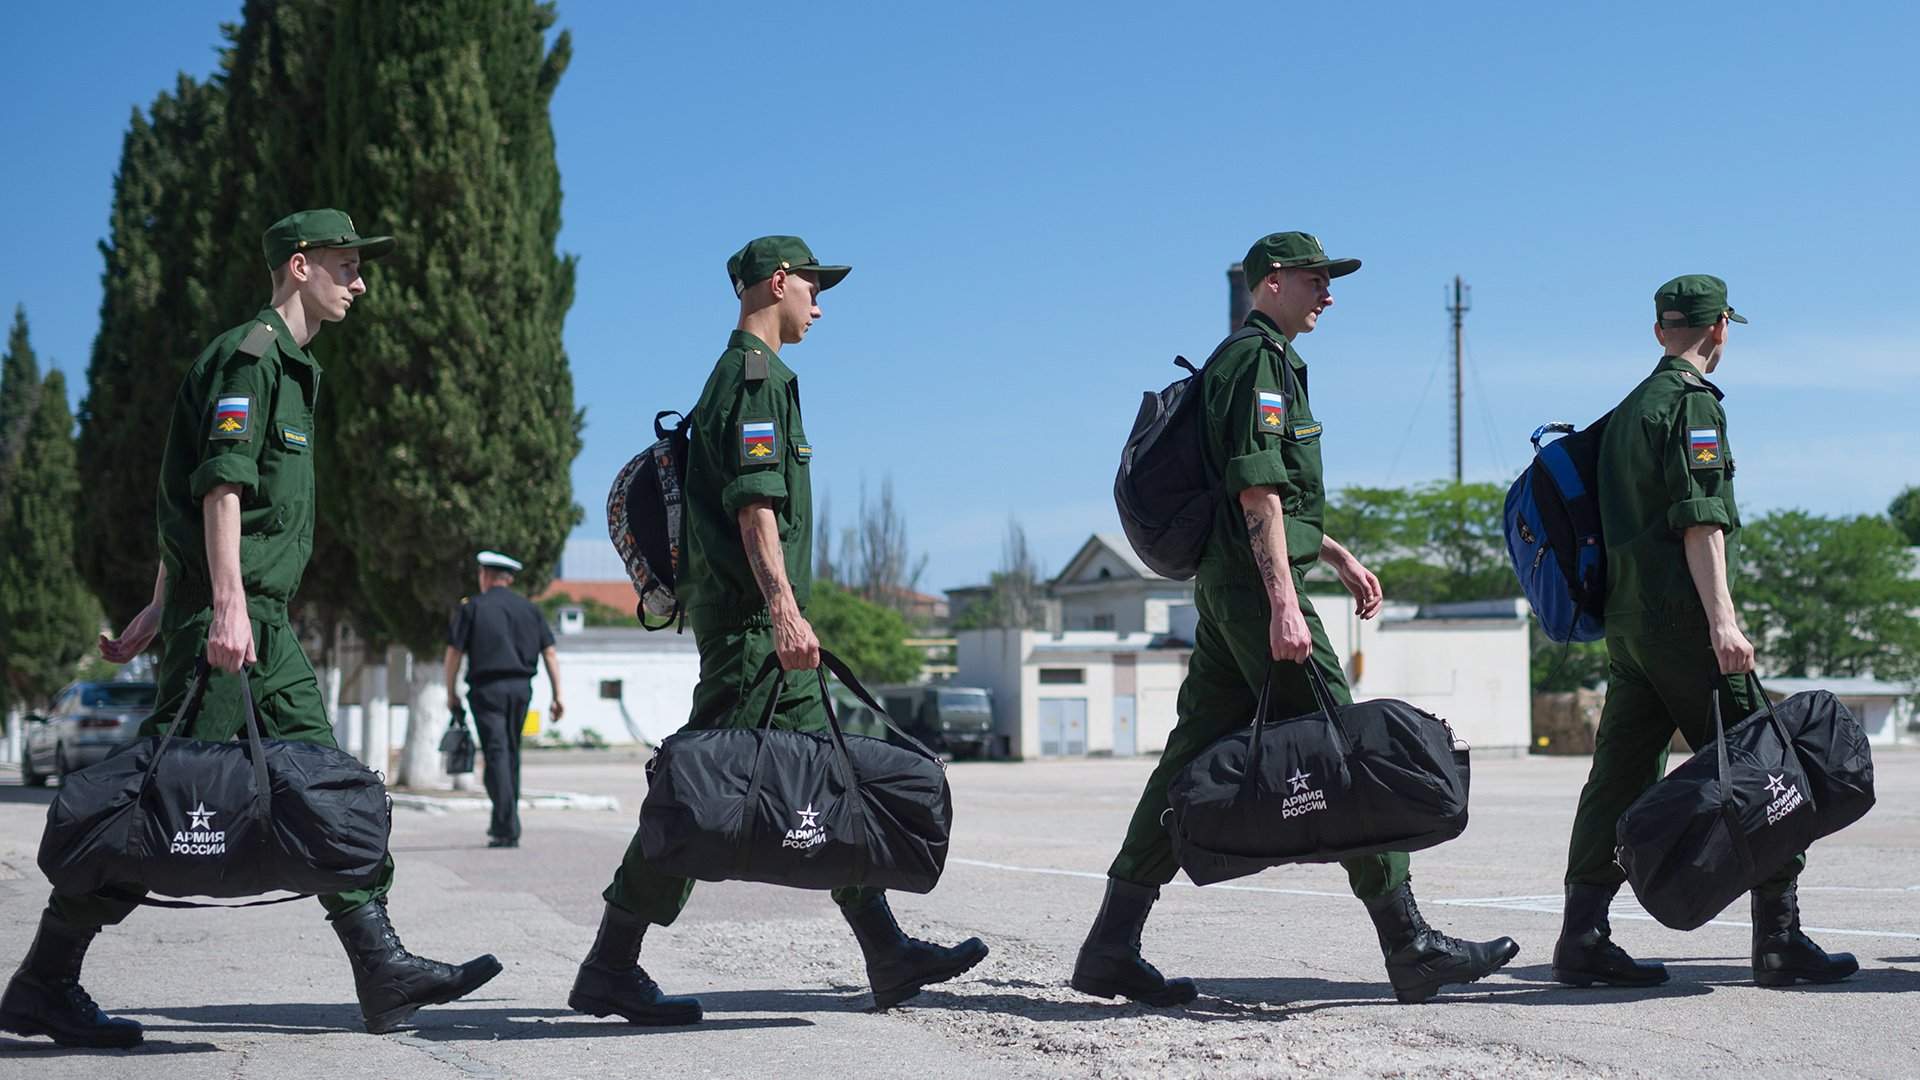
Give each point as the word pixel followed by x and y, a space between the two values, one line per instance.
pixel 1262 558
pixel 763 570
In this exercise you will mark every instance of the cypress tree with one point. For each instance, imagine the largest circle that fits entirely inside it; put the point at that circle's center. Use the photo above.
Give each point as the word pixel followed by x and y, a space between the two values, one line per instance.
pixel 46 615
pixel 452 400
pixel 159 307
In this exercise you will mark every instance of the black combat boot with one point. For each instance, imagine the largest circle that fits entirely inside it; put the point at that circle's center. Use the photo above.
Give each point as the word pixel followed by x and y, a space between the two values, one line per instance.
pixel 1420 959
pixel 611 980
pixel 391 982
pixel 1781 953
pixel 1586 954
pixel 897 965
pixel 45 996
pixel 1110 964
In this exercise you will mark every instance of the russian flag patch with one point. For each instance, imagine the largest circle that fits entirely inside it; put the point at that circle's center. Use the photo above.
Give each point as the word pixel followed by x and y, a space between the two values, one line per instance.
pixel 758 445
pixel 1703 447
pixel 1270 411
pixel 232 418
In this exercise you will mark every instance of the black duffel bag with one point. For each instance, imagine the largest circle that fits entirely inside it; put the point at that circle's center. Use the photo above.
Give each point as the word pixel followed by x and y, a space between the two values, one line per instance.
pixel 1742 808
pixel 806 809
pixel 1348 780
pixel 182 816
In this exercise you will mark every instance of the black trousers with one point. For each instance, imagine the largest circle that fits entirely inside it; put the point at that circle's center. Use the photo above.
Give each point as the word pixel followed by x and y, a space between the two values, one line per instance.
pixel 499 711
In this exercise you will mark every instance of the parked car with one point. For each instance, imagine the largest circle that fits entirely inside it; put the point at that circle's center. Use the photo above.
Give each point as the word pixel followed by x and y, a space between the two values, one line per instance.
pixel 87 721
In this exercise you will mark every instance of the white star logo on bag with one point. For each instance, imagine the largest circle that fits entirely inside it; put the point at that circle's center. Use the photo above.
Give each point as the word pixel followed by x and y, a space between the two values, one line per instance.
pixel 202 817
pixel 808 817
pixel 1776 786
pixel 1299 781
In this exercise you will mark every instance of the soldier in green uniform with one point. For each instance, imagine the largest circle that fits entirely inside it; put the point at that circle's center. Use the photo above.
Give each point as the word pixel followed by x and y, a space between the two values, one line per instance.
pixel 746 583
pixel 1667 508
pixel 1263 440
pixel 235 513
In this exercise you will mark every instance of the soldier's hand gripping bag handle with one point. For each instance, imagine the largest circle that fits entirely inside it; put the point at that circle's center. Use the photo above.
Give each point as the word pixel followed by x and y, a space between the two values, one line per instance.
pixel 806 809
pixel 1343 781
pixel 1739 810
pixel 183 816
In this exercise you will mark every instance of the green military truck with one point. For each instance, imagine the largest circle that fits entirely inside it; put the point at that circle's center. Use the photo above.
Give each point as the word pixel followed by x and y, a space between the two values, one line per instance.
pixel 953 720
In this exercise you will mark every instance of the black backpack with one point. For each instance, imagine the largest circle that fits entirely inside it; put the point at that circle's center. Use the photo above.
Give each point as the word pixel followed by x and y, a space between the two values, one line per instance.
pixel 644 519
pixel 1165 490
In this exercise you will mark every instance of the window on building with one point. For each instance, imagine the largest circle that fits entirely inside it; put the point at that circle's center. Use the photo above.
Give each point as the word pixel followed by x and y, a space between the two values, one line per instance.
pixel 610 689
pixel 1103 622
pixel 1062 676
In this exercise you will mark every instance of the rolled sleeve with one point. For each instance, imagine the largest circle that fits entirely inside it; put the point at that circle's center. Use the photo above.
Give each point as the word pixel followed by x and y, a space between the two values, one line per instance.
pixel 229 467
pixel 753 487
pixel 1690 513
pixel 1263 468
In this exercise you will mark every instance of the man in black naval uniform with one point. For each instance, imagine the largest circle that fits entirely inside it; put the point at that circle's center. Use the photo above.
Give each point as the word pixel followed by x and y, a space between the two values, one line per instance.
pixel 502 634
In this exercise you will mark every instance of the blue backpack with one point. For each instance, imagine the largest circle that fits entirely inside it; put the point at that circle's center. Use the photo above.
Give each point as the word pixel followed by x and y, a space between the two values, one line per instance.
pixel 1553 533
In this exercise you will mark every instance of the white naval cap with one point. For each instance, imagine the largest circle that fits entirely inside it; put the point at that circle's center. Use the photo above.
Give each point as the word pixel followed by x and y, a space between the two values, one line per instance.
pixel 498 561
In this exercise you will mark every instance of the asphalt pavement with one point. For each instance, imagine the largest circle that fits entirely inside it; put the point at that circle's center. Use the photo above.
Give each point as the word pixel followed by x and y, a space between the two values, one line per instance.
pixel 1290 974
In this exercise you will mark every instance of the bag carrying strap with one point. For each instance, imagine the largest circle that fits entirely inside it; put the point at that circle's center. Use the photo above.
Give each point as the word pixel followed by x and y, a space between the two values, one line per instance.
pixel 190 711
pixel 1329 711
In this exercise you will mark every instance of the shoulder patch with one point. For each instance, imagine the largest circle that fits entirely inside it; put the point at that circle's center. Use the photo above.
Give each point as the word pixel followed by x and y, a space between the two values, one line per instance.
pixel 1703 448
pixel 756 366
pixel 758 442
pixel 257 340
pixel 1269 411
pixel 233 418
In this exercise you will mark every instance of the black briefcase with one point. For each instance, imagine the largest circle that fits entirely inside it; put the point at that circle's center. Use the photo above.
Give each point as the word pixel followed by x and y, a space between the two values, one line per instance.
pixel 1741 808
pixel 806 809
pixel 1348 780
pixel 457 745
pixel 182 816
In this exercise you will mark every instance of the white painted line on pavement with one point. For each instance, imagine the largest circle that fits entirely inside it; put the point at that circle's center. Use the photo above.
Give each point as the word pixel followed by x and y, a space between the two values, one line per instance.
pixel 1543 903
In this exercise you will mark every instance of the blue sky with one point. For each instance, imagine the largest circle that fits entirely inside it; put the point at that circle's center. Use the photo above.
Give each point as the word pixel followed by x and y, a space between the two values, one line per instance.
pixel 1040 202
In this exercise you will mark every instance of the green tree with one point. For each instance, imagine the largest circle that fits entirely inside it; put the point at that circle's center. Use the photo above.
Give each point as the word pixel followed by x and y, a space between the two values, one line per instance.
pixel 1829 596
pixel 1904 511
pixel 47 617
pixel 1557 666
pixel 454 422
pixel 870 638
pixel 159 307
pixel 1431 544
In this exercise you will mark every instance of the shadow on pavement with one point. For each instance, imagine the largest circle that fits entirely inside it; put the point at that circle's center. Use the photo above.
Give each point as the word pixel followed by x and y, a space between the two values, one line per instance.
pixel 48 1048
pixel 16 792
pixel 1866 981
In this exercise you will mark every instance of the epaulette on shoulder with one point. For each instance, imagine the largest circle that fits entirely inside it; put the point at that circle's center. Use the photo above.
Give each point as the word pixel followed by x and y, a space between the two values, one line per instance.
pixel 257 341
pixel 755 367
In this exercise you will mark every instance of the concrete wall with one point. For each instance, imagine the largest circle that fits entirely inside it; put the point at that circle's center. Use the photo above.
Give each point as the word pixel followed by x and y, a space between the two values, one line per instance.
pixel 656 686
pixel 1471 672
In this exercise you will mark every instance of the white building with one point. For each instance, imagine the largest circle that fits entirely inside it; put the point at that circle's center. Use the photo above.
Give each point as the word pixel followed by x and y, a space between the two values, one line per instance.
pixel 1885 710
pixel 627 685
pixel 1097 692
pixel 1105 586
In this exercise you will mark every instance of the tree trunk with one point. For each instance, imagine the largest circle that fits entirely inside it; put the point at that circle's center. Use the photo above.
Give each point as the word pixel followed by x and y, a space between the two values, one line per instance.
pixel 421 764
pixel 373 715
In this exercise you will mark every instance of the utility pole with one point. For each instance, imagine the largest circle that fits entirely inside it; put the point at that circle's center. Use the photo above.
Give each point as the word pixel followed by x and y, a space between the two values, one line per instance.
pixel 1462 296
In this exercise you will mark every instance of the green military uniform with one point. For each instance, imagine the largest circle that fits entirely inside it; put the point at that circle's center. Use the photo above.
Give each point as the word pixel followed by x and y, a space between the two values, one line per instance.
pixel 244 416
pixel 1261 432
pixel 748 444
pixel 1665 466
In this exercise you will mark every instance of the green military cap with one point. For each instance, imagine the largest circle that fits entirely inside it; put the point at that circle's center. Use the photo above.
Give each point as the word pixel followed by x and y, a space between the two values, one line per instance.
pixel 1693 300
pixel 311 229
pixel 758 261
pixel 1291 251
